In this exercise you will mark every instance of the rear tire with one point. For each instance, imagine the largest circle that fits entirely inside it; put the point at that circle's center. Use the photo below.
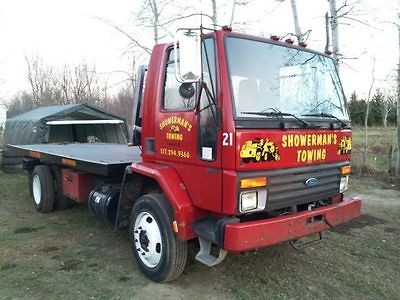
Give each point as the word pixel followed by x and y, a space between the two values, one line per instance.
pixel 42 189
pixel 10 154
pixel 6 161
pixel 161 256
pixel 11 169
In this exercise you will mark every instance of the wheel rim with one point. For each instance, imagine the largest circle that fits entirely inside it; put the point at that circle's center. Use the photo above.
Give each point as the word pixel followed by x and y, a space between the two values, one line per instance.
pixel 36 189
pixel 147 237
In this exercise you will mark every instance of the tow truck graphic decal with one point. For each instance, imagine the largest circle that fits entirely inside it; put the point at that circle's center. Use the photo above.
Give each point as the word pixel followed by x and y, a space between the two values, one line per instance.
pixel 344 146
pixel 258 150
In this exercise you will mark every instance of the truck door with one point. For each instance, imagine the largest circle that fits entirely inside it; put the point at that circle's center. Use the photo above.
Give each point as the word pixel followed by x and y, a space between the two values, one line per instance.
pixel 188 131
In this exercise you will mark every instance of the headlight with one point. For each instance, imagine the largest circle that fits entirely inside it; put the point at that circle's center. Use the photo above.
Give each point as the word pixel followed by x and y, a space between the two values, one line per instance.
pixel 344 181
pixel 248 201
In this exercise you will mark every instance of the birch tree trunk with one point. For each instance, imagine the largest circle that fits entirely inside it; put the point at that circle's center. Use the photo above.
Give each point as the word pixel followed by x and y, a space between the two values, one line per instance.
pixel 297 28
pixel 398 103
pixel 214 13
pixel 156 14
pixel 335 32
pixel 365 154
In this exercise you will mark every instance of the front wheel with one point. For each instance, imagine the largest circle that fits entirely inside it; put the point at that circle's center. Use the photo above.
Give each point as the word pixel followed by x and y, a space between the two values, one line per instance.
pixel 160 254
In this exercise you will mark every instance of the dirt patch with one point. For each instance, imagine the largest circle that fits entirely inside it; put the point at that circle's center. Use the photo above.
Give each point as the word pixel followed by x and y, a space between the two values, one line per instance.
pixel 123 278
pixel 70 265
pixel 53 248
pixel 364 220
pixel 392 230
pixel 6 267
pixel 27 229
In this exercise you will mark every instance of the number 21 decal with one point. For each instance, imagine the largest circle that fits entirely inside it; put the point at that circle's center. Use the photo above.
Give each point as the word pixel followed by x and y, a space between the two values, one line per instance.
pixel 227 139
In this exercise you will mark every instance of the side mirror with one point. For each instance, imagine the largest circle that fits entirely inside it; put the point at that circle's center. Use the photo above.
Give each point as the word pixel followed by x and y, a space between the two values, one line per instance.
pixel 188 55
pixel 186 90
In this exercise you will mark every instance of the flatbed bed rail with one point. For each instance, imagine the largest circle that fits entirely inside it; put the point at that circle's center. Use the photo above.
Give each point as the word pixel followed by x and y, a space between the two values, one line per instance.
pixel 98 158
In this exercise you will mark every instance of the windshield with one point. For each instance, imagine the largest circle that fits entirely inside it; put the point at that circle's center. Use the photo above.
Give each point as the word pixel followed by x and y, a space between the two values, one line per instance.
pixel 267 77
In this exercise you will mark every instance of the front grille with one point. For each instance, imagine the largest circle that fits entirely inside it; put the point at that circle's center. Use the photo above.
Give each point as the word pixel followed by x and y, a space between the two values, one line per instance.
pixel 287 187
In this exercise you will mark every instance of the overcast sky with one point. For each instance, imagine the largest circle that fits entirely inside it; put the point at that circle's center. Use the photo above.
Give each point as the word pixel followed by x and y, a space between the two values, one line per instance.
pixel 67 32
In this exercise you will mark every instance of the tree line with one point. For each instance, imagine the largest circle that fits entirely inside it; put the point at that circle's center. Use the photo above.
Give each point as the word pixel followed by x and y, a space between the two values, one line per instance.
pixel 71 85
pixel 381 110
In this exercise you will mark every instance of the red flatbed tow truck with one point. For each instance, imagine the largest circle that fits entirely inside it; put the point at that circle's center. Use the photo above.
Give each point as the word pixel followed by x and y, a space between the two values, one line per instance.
pixel 243 144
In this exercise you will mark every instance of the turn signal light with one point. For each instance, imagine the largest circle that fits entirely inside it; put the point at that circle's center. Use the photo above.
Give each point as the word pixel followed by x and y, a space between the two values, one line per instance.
pixel 253 182
pixel 345 170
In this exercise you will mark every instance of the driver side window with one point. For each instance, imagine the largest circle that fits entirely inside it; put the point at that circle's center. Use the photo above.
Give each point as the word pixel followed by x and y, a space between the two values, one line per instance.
pixel 172 99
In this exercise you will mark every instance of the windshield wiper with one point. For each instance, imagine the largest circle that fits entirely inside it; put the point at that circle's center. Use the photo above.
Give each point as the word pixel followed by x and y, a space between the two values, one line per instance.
pixel 325 115
pixel 276 113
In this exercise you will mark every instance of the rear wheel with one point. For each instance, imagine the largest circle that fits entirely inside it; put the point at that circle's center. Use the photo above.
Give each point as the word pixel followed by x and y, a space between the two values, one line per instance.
pixel 11 161
pixel 42 189
pixel 160 254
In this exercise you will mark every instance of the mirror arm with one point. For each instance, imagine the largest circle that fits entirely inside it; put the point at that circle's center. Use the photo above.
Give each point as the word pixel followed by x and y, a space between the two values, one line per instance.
pixel 211 103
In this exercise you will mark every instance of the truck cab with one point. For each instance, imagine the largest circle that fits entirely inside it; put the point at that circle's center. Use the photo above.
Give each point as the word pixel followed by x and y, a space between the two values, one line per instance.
pixel 257 146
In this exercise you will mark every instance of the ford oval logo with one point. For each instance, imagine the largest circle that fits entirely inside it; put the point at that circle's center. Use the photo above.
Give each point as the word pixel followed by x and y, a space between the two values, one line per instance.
pixel 311 181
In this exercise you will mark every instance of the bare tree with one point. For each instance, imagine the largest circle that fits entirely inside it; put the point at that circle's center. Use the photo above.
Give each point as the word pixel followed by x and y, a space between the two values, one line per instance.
pixel 20 103
pixel 214 17
pixel 237 3
pixel 365 154
pixel 345 10
pixel 300 36
pixel 65 85
pixel 398 98
pixel 42 81
pixel 327 34
pixel 335 32
pixel 387 105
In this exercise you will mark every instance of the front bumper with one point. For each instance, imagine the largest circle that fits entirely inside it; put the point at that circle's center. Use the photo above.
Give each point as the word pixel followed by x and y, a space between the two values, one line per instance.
pixel 239 237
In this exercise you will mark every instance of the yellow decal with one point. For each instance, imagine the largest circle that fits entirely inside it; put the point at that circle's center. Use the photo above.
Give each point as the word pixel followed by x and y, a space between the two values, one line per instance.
pixel 311 155
pixel 174 129
pixel 175 120
pixel 308 140
pixel 173 134
pixel 344 146
pixel 259 150
pixel 175 153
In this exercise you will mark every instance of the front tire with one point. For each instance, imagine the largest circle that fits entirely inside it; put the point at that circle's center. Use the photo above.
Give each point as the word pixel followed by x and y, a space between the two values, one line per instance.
pixel 161 256
pixel 42 189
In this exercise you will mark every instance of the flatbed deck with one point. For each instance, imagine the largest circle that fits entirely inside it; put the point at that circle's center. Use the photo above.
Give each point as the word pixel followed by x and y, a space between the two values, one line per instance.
pixel 98 158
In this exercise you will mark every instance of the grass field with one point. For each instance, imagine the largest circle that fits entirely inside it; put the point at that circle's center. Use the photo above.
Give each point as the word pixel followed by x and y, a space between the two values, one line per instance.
pixel 69 255
pixel 380 141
